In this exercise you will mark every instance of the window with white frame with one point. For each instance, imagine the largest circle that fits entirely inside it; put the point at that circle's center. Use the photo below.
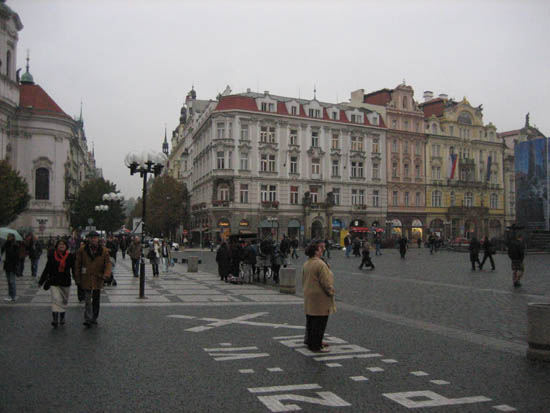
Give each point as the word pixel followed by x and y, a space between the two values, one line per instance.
pixel 293 110
pixel 314 194
pixel 358 197
pixel 436 198
pixel 223 194
pixel 271 163
pixel 356 119
pixel 264 107
pixel 334 115
pixel 418 149
pixel 294 195
pixel 264 194
pixel 468 199
pixel 436 150
pixel 272 193
pixel 243 165
pixel 315 139
pixel 243 193
pixel 394 169
pixel 293 137
pixel 221 160
pixel 335 143
pixel 336 195
pixel 244 132
pixel 263 163
pixel 271 135
pixel 418 200
pixel 417 170
pixel 375 146
pixel 357 169
pixel 375 171
pixel 293 164
pixel 357 143
pixel 452 199
pixel 436 172
pixel 394 198
pixel 221 130
pixel 263 134
pixel 406 170
pixel 314 113
pixel 335 167
pixel 394 146
pixel 272 107
pixel 315 167
pixel 375 199
pixel 406 199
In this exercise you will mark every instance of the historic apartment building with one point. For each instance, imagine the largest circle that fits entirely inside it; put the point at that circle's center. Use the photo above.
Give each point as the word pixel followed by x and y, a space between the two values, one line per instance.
pixel 274 165
pixel 405 148
pixel 464 168
pixel 39 140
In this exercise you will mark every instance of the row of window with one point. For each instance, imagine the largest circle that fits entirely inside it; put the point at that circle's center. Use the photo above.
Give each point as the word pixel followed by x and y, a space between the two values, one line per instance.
pixel 469 199
pixel 405 145
pixel 317 113
pixel 268 164
pixel 462 132
pixel 268 193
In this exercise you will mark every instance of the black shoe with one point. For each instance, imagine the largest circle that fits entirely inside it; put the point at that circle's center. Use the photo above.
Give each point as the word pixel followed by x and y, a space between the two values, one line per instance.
pixel 62 318
pixel 87 323
pixel 94 321
pixel 114 283
pixel 517 284
pixel 55 321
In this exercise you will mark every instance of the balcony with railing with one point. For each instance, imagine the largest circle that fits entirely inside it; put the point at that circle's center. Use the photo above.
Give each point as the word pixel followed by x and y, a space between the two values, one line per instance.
pixel 270 204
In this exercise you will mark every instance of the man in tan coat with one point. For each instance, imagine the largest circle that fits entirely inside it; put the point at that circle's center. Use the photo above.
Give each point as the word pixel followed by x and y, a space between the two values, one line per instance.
pixel 318 286
pixel 92 267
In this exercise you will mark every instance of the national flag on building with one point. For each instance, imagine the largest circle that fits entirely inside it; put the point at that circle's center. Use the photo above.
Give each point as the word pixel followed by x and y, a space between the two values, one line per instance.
pixel 489 160
pixel 453 164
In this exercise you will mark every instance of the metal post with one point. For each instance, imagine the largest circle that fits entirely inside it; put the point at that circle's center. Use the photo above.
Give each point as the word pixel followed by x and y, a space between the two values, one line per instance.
pixel 142 262
pixel 548 184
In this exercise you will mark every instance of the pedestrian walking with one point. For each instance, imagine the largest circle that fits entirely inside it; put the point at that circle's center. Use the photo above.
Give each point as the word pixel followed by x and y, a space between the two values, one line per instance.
pixel 22 254
pixel 419 242
pixel 431 243
pixel 366 257
pixel 11 265
pixel 79 291
pixel 134 251
pixel 57 277
pixel 347 245
pixel 92 268
pixel 223 258
pixel 123 246
pixel 318 289
pixel 276 262
pixel 516 252
pixel 403 241
pixel 112 246
pixel 327 248
pixel 284 248
pixel 34 251
pixel 166 255
pixel 357 247
pixel 378 244
pixel 488 251
pixel 294 245
pixel 154 256
pixel 474 253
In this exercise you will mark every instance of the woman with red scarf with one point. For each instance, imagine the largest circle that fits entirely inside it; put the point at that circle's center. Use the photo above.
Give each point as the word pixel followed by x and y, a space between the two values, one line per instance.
pixel 57 276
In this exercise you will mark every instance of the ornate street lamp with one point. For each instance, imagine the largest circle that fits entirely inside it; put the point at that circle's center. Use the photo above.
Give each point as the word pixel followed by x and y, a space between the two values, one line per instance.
pixel 101 208
pixel 144 163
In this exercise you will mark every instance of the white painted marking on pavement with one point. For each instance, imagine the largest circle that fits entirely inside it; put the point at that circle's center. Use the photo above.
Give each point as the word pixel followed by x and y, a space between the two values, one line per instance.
pixel 419 373
pixel 333 365
pixel 439 382
pixel 244 319
pixel 274 369
pixel 186 317
pixel 389 361
pixel 375 369
pixel 246 371
pixel 347 357
pixel 225 344
pixel 504 408
pixel 274 389
pixel 326 398
pixel 231 349
pixel 358 378
pixel 432 399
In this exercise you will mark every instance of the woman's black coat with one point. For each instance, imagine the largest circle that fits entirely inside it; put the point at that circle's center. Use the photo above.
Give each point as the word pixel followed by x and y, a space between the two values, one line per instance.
pixel 51 271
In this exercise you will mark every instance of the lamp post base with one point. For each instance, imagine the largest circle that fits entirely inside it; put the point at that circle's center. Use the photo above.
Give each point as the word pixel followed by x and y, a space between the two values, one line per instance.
pixel 142 278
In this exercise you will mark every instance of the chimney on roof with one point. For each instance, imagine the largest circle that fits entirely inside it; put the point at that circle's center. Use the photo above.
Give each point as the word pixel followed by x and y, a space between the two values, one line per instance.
pixel 266 92
pixel 428 95
pixel 443 96
pixel 248 90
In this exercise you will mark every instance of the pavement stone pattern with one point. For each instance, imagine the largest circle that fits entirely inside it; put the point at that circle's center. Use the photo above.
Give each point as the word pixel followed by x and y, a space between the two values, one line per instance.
pixel 176 287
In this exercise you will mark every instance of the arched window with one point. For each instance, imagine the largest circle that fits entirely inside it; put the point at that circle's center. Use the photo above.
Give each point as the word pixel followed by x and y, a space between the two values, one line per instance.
pixel 468 199
pixel 42 184
pixel 436 198
pixel 8 63
pixel 494 201
pixel 405 105
pixel 434 128
pixel 453 199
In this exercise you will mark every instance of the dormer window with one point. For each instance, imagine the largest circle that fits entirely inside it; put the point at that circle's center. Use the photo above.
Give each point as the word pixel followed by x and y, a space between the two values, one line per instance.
pixel 374 119
pixel 356 118
pixel 272 107
pixel 334 115
pixel 294 111
pixel 314 113
pixel 264 107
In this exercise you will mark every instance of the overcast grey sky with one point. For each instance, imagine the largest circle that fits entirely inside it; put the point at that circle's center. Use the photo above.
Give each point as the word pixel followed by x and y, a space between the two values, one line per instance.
pixel 133 62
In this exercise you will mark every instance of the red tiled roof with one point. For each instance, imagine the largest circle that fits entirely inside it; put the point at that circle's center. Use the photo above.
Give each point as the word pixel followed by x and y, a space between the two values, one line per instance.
pixel 433 107
pixel 237 102
pixel 281 108
pixel 33 96
pixel 509 133
pixel 380 97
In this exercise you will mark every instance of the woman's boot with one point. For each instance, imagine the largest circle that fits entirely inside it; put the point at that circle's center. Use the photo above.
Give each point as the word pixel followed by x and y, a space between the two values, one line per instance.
pixel 55 321
pixel 62 318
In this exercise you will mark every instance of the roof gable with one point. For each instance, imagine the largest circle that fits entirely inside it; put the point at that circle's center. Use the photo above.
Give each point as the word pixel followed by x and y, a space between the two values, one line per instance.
pixel 33 97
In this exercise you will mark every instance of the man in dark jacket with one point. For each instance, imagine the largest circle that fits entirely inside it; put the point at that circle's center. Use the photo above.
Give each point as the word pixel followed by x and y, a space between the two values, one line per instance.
pixel 92 267
pixel 488 251
pixel 34 251
pixel 516 252
pixel 11 265
pixel 223 258
pixel 474 253
pixel 366 257
pixel 403 241
pixel 294 245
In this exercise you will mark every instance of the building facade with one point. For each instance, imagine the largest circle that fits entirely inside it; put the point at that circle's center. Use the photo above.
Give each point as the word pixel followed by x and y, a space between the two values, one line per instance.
pixel 39 140
pixel 465 172
pixel 274 165
pixel 405 150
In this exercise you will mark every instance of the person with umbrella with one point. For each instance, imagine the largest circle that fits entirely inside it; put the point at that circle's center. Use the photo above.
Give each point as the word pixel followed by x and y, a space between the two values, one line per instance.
pixel 11 265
